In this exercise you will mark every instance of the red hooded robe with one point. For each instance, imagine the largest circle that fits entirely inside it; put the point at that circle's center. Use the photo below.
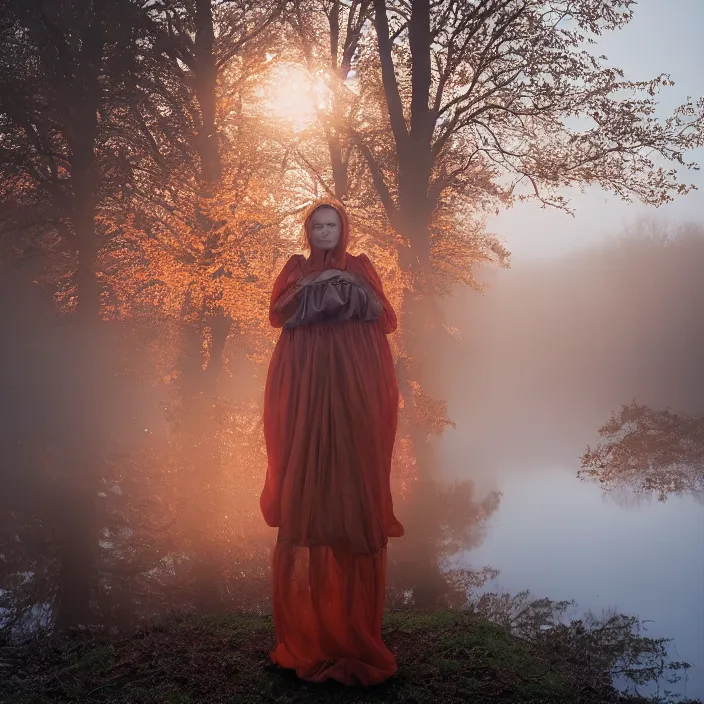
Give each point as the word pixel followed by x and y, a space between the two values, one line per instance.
pixel 330 414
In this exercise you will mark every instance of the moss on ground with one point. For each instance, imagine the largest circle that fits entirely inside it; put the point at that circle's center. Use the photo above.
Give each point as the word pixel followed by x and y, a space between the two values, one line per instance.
pixel 443 658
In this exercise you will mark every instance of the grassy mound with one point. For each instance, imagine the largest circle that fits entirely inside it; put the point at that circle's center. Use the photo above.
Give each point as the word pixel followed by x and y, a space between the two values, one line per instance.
pixel 443 658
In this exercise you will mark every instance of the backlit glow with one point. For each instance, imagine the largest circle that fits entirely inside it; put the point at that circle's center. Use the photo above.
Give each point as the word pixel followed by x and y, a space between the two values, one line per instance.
pixel 291 96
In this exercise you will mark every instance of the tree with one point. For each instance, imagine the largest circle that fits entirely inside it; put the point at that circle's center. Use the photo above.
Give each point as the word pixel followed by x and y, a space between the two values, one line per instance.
pixel 68 107
pixel 483 97
pixel 198 244
pixel 213 49
pixel 329 34
pixel 334 40
pixel 480 92
pixel 498 81
pixel 648 451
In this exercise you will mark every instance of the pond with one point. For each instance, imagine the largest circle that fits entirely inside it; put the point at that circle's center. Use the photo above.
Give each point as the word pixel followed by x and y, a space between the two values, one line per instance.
pixel 561 539
pixel 546 355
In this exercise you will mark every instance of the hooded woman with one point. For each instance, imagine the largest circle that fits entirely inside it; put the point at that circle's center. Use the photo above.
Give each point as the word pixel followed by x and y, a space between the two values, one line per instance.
pixel 330 413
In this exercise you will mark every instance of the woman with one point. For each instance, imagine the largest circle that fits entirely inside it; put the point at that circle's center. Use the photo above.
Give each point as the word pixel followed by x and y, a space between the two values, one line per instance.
pixel 330 413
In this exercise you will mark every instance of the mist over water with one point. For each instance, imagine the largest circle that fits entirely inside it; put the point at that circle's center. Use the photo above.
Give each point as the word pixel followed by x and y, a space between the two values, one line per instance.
pixel 549 350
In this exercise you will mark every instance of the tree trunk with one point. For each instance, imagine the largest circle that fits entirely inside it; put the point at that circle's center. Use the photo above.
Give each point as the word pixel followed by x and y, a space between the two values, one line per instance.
pixel 76 522
pixel 411 215
pixel 86 275
pixel 339 167
pixel 205 87
pixel 83 218
pixel 417 555
pixel 220 326
pixel 201 413
pixel 76 551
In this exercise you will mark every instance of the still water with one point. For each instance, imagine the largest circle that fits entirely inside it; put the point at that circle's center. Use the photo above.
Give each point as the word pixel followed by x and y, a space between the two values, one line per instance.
pixel 561 539
pixel 545 355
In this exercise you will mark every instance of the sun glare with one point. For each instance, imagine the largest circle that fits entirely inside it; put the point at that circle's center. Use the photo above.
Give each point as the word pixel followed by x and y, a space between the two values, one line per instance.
pixel 291 96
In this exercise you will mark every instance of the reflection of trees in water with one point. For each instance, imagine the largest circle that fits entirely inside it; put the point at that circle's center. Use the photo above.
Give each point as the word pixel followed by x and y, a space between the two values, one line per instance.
pixel 452 519
pixel 650 452
pixel 598 649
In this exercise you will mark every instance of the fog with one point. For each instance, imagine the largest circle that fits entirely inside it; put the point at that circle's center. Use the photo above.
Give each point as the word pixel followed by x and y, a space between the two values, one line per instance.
pixel 548 351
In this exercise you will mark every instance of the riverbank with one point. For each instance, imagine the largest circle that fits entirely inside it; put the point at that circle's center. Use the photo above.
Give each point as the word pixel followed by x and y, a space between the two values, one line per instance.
pixel 444 658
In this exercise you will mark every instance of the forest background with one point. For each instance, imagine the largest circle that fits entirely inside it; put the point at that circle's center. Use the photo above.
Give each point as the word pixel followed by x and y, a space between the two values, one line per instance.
pixel 155 158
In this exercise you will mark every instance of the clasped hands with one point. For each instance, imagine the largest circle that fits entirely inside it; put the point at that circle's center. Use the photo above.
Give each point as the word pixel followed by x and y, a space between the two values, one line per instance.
pixel 346 276
pixel 286 304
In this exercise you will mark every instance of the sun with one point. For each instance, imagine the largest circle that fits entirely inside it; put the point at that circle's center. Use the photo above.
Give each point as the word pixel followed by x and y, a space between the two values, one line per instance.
pixel 289 95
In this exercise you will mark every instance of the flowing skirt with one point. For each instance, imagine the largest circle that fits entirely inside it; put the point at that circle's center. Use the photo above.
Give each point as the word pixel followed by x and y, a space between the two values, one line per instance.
pixel 331 405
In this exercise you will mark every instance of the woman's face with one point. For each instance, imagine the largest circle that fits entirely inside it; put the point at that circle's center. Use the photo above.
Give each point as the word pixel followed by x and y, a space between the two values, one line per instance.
pixel 325 228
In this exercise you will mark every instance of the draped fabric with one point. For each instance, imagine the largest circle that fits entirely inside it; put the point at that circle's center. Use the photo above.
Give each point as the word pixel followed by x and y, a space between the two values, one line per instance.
pixel 330 413
pixel 342 297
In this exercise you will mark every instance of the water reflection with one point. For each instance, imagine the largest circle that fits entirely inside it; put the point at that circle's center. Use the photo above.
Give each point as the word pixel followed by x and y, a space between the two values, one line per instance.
pixel 563 540
pixel 549 352
pixel 646 452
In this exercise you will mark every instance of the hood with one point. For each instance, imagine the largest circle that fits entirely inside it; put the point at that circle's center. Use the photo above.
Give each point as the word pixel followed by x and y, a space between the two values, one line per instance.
pixel 335 258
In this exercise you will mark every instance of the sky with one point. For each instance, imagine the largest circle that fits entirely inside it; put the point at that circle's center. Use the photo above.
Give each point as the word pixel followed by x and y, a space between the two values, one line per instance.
pixel 663 37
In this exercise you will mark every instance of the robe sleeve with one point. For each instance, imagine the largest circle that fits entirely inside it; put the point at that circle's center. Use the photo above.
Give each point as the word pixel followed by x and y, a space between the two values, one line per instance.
pixel 388 317
pixel 283 301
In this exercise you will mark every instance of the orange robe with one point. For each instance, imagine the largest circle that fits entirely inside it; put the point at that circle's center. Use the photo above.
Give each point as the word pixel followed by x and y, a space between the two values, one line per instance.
pixel 330 414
